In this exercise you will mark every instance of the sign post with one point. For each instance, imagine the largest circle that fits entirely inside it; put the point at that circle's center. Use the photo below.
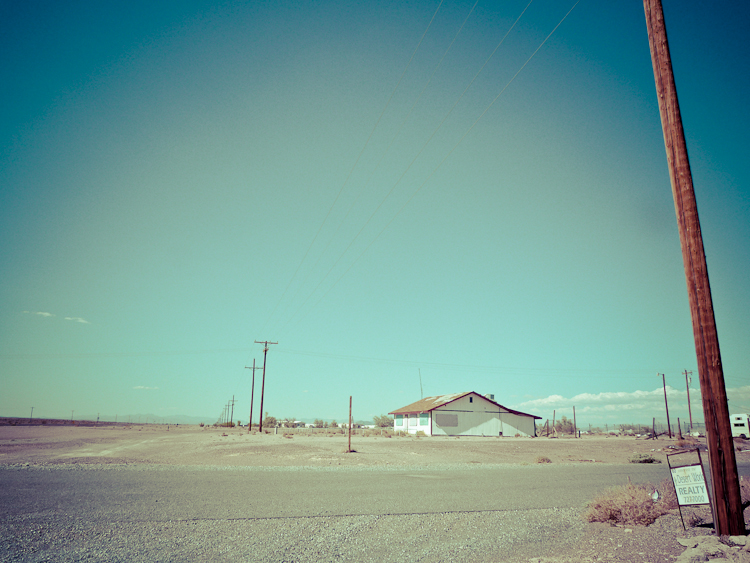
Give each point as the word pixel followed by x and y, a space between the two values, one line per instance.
pixel 690 484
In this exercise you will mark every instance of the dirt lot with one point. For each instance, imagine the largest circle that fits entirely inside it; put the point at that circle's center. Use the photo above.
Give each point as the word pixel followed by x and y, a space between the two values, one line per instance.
pixel 67 444
pixel 193 445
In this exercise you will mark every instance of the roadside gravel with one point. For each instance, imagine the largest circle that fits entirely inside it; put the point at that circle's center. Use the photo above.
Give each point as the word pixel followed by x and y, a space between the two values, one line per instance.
pixel 460 537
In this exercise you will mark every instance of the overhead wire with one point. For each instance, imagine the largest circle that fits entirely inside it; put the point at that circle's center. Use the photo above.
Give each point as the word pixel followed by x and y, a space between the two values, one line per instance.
pixel 377 166
pixel 351 171
pixel 436 167
pixel 406 170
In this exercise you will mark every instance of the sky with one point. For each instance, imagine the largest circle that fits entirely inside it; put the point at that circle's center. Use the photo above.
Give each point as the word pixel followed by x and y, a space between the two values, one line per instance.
pixel 410 198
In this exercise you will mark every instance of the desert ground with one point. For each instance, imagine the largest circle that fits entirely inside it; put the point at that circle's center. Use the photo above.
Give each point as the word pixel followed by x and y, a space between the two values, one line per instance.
pixel 546 536
pixel 194 445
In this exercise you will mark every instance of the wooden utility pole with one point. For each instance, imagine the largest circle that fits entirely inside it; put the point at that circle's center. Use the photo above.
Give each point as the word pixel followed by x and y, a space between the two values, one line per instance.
pixel 575 427
pixel 263 384
pixel 350 424
pixel 666 405
pixel 231 416
pixel 252 393
pixel 687 384
pixel 727 503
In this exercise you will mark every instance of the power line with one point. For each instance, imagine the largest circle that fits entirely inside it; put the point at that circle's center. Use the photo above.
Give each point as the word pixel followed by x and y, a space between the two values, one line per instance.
pixel 372 173
pixel 431 173
pixel 361 152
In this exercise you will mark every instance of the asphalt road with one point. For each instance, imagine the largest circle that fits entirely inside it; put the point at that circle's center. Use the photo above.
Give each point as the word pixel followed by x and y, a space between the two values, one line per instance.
pixel 162 494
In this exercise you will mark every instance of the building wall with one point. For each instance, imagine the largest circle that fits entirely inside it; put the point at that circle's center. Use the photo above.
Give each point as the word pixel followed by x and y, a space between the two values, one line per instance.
pixel 412 423
pixel 472 415
pixel 475 416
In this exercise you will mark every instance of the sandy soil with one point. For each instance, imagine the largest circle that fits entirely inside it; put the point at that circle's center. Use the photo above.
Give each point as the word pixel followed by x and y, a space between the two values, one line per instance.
pixel 192 445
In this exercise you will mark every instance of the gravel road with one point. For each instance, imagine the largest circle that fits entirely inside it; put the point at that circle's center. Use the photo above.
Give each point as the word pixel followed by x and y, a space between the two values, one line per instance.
pixel 149 513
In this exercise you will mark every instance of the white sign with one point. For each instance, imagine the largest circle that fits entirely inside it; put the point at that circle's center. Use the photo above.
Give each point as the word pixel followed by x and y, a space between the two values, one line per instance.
pixel 690 485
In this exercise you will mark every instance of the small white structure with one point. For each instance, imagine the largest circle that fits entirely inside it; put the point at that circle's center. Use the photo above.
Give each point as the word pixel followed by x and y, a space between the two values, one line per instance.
pixel 463 414
pixel 740 425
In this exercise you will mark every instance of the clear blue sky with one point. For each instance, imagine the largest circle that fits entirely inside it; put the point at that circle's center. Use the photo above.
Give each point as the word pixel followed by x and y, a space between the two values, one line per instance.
pixel 179 179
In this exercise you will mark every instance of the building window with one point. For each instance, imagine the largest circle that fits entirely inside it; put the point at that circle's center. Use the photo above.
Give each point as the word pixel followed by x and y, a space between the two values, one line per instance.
pixel 399 419
pixel 471 399
pixel 424 419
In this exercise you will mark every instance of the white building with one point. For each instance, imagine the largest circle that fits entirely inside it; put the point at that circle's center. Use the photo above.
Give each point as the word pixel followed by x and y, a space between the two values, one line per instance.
pixel 463 414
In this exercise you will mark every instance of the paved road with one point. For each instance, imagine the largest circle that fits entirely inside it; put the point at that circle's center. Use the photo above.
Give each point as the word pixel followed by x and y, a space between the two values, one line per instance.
pixel 154 494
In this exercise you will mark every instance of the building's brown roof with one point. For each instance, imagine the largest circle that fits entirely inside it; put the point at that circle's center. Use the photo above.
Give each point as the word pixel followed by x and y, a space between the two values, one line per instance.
pixel 431 403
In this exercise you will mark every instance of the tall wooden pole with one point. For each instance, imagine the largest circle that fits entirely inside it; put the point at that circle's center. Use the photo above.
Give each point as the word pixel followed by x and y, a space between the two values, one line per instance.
pixel 350 424
pixel 262 388
pixel 252 394
pixel 666 405
pixel 575 427
pixel 726 489
pixel 690 412
pixel 263 384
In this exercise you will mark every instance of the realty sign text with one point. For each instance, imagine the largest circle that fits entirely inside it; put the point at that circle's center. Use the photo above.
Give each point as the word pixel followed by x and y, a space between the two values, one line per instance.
pixel 690 485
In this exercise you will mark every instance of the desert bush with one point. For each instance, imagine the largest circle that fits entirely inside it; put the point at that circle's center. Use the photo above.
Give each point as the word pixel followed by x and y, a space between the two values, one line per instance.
pixel 629 504
pixel 543 459
pixel 564 425
pixel 383 421
pixel 745 491
pixel 643 458
pixel 686 442
pixel 270 421
pixel 667 494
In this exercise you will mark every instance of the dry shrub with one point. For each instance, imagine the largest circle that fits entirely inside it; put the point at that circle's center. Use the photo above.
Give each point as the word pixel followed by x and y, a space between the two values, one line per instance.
pixel 745 491
pixel 667 494
pixel 686 442
pixel 629 504
pixel 643 458
pixel 543 459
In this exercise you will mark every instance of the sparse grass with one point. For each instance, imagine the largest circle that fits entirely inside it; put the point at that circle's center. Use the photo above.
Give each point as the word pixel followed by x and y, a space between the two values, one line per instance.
pixel 686 442
pixel 643 458
pixel 629 504
pixel 543 459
